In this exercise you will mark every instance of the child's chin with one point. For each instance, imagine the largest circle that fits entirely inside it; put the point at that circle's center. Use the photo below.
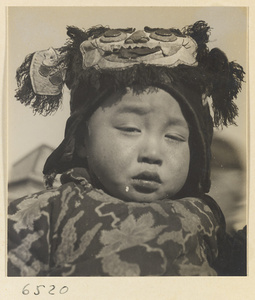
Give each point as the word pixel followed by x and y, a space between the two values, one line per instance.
pixel 143 198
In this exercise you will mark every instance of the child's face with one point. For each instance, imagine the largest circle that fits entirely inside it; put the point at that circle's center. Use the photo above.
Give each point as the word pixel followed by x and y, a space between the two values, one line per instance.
pixel 137 146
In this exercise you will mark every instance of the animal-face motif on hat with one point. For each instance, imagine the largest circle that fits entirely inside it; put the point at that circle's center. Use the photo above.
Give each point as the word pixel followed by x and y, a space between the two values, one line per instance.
pixel 116 49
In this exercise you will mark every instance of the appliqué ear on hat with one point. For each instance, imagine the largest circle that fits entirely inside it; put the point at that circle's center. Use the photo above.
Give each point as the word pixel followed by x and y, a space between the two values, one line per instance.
pixel 47 72
pixel 41 79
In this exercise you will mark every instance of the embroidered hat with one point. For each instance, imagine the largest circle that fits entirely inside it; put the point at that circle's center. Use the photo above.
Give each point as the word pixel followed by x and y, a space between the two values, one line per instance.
pixel 101 61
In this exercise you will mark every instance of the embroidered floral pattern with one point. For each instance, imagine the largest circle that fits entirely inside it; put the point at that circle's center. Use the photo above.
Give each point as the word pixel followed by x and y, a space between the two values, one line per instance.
pixel 130 233
pixel 29 210
pixel 76 230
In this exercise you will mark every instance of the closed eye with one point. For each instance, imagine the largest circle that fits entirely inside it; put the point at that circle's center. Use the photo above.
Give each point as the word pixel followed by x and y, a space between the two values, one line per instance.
pixel 129 129
pixel 176 138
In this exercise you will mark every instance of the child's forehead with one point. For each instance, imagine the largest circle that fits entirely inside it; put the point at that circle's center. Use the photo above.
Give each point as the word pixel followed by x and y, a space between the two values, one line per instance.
pixel 157 103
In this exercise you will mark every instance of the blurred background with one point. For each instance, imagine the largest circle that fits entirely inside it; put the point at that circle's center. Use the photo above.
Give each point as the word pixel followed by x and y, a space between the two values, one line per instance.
pixel 31 138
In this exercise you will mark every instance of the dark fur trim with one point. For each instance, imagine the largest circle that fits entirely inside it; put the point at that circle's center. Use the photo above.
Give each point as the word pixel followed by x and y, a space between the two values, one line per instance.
pixel 139 77
pixel 200 32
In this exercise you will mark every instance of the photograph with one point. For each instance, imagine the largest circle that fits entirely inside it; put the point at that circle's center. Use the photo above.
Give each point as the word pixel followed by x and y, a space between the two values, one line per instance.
pixel 127 141
pixel 126 152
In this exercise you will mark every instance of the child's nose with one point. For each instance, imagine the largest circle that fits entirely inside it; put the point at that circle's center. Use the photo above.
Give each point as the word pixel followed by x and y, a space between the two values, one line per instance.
pixel 150 152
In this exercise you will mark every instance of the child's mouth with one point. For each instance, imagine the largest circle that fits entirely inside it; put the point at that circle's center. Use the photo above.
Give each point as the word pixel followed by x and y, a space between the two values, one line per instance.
pixel 146 182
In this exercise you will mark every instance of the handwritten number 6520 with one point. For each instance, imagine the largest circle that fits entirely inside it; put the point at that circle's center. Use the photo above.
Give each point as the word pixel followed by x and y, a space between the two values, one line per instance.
pixel 25 291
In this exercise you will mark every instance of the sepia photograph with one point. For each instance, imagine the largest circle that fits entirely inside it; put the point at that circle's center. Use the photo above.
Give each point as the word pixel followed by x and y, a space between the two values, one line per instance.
pixel 127 143
pixel 143 189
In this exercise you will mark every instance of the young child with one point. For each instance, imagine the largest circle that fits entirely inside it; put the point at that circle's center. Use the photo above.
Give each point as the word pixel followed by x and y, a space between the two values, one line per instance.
pixel 135 160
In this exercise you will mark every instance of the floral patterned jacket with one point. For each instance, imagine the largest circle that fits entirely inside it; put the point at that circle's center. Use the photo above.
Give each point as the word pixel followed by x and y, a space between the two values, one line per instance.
pixel 76 230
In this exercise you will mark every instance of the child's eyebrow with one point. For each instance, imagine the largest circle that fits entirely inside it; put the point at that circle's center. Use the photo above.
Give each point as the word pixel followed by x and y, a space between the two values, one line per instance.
pixel 133 108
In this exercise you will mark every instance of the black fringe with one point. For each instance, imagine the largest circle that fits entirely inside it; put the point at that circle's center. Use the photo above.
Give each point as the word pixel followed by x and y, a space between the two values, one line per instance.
pixel 226 79
pixel 236 79
pixel 24 92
